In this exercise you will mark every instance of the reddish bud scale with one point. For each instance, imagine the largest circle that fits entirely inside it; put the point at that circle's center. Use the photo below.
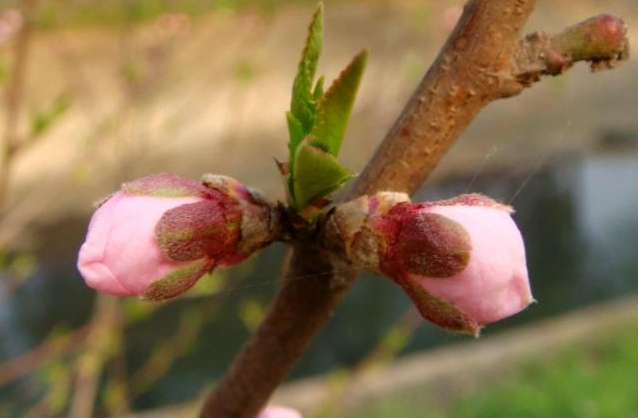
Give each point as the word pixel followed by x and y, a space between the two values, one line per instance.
pixel 208 228
pixel 258 224
pixel 422 243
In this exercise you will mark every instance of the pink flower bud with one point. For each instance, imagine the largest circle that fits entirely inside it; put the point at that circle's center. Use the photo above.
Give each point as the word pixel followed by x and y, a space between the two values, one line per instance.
pixel 279 412
pixel 462 261
pixel 158 235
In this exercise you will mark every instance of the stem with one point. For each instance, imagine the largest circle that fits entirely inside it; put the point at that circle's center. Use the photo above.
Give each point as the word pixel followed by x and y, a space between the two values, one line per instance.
pixel 90 363
pixel 601 40
pixel 14 96
pixel 466 76
pixel 476 66
pixel 298 312
pixel 26 363
pixel 338 398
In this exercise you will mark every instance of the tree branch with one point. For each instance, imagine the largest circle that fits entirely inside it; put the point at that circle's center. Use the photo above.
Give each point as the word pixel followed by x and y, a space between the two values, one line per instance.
pixel 481 62
pixel 298 312
pixel 601 40
pixel 11 141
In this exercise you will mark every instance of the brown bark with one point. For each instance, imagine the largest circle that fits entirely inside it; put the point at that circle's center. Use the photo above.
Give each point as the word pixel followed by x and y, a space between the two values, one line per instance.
pixel 481 61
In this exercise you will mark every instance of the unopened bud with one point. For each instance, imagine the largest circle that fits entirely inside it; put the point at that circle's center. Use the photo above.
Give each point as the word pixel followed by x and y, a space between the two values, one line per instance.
pixel 158 235
pixel 462 261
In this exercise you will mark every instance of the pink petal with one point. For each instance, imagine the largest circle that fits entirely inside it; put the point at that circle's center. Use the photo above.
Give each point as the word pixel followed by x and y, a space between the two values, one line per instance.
pixel 120 255
pixel 279 412
pixel 495 283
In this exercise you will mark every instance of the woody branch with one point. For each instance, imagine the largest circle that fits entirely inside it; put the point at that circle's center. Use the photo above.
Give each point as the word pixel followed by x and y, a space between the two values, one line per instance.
pixel 483 60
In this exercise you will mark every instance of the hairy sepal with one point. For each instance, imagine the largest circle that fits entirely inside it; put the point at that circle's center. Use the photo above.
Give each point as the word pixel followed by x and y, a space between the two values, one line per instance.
pixel 165 185
pixel 178 281
pixel 203 229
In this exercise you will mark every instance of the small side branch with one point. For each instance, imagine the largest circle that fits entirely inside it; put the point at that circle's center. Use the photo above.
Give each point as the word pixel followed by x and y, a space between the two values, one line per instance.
pixel 11 140
pixel 481 62
pixel 600 40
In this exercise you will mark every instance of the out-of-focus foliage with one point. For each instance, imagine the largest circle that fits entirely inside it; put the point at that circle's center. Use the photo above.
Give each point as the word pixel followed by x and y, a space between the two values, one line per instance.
pixel 56 13
pixel 43 119
pixel 594 381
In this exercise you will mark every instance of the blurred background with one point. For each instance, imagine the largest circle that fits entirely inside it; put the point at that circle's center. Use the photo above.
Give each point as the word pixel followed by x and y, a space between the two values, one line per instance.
pixel 94 93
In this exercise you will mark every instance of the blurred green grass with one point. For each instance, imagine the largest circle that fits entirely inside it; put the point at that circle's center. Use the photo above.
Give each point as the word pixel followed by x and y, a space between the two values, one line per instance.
pixel 55 14
pixel 598 380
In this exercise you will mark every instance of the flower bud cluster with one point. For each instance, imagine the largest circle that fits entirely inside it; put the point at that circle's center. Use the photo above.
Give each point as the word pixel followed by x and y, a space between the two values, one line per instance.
pixel 461 261
pixel 159 234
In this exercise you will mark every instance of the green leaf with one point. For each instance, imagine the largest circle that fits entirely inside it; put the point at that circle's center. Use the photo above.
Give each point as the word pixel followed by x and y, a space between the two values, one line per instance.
pixel 301 116
pixel 296 132
pixel 316 174
pixel 317 94
pixel 333 110
pixel 317 122
pixel 302 103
